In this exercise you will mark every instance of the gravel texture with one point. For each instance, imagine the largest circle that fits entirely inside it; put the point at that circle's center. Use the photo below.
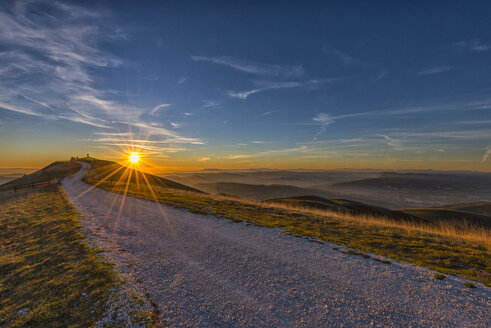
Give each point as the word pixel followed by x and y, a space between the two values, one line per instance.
pixel 203 271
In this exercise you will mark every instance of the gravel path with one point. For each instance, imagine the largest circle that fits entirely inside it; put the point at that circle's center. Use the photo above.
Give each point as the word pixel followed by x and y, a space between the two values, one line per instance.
pixel 209 272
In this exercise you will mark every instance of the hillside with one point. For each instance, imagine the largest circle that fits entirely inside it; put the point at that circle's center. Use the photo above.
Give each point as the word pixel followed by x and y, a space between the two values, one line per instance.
pixel 483 208
pixel 415 215
pixel 54 172
pixel 423 182
pixel 343 206
pixel 257 192
pixel 113 171
pixel 444 214
pixel 303 178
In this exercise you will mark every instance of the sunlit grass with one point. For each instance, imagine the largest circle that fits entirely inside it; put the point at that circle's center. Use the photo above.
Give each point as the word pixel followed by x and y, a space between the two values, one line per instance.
pixel 444 247
pixel 458 229
pixel 49 277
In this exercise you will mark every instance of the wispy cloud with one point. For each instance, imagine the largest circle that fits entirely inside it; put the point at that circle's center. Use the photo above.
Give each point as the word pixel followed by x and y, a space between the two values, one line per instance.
pixel 128 139
pixel 204 159
pixel 20 110
pixel 323 119
pixel 460 106
pixel 477 122
pixel 269 153
pixel 486 155
pixel 435 70
pixel 268 85
pixel 392 142
pixel 381 146
pixel 159 107
pixel 474 45
pixel 268 113
pixel 211 103
pixel 448 134
pixel 182 80
pixel 252 67
pixel 107 105
pixel 50 51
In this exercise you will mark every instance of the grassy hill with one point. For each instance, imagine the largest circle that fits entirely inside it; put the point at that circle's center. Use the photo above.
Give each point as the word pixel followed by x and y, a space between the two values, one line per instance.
pixel 54 172
pixel 483 208
pixel 445 214
pixel 49 276
pixel 343 206
pixel 415 215
pixel 113 172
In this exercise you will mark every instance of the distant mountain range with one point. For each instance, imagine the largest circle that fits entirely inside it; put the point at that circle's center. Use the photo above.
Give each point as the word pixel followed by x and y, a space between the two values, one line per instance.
pixel 388 189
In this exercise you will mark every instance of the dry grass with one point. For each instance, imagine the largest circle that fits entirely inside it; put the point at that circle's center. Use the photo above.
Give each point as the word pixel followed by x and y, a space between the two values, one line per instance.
pixel 448 228
pixel 49 277
pixel 460 229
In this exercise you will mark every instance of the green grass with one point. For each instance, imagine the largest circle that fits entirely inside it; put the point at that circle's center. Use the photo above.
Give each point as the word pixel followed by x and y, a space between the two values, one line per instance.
pixel 47 271
pixel 448 255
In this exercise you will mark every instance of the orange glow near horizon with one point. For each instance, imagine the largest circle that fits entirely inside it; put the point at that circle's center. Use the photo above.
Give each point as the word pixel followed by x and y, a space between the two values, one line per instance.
pixel 139 152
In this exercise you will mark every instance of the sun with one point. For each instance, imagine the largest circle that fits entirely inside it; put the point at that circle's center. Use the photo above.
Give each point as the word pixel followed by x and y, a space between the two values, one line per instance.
pixel 134 158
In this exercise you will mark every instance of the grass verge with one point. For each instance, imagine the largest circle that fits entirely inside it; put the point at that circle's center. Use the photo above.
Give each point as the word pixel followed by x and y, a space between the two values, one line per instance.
pixel 448 254
pixel 49 277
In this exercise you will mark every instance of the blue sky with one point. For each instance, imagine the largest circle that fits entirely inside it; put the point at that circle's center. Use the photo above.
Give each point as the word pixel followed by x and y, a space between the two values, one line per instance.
pixel 257 84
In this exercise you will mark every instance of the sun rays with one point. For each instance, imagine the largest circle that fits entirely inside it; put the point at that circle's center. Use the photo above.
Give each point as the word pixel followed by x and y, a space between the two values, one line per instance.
pixel 131 173
pixel 134 158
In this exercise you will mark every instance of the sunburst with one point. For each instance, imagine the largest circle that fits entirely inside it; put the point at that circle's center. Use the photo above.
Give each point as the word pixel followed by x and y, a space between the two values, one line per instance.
pixel 134 158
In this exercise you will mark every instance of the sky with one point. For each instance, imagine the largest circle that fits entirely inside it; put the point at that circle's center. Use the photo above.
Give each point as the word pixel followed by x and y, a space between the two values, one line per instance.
pixel 266 84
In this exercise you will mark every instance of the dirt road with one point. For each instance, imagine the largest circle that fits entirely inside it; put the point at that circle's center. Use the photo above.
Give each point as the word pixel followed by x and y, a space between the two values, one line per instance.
pixel 209 272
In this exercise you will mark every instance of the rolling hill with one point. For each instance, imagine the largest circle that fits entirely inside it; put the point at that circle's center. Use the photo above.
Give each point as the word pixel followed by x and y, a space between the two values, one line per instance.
pixel 423 182
pixel 420 215
pixel 257 192
pixel 344 206
pixel 55 172
pixel 100 170
pixel 113 171
pixel 445 214
pixel 483 208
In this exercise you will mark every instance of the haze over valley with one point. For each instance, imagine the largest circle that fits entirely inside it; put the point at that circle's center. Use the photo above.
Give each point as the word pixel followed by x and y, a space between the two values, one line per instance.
pixel 392 189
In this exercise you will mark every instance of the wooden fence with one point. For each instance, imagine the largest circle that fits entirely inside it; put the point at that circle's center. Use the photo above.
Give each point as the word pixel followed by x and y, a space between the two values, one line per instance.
pixel 33 185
